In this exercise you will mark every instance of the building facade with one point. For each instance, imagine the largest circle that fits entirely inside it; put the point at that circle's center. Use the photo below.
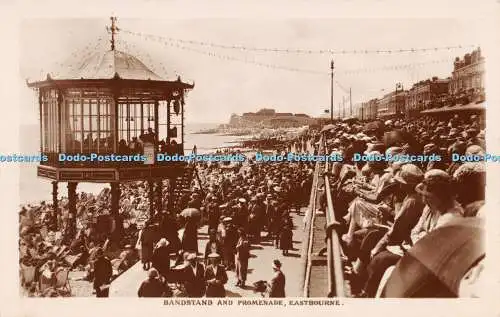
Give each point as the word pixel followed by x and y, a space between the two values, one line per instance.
pixel 425 94
pixel 468 76
pixel 392 104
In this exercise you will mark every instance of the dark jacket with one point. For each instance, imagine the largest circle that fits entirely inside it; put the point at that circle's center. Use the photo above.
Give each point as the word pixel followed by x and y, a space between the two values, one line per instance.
pixel 102 272
pixel 161 260
pixel 190 237
pixel 194 284
pixel 216 289
pixel 277 288
pixel 153 288
pixel 286 238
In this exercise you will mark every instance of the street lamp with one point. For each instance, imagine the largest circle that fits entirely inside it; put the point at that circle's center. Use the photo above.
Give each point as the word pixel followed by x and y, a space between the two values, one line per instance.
pixel 399 86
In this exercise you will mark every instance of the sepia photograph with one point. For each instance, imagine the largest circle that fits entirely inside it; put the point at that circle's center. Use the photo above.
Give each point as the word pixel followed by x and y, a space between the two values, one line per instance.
pixel 253 159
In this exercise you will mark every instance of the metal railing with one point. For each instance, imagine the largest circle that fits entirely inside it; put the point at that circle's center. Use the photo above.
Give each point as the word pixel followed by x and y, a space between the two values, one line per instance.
pixel 334 252
pixel 335 273
pixel 308 236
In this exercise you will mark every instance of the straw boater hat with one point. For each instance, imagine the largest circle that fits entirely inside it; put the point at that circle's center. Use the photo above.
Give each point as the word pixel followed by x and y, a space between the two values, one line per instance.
pixel 227 219
pixel 163 242
pixel 214 256
pixel 409 174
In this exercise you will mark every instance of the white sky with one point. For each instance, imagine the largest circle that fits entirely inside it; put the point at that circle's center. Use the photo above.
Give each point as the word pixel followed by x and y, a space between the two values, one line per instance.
pixel 224 87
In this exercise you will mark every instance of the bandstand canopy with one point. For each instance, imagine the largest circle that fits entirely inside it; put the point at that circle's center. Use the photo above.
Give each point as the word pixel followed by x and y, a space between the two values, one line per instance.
pixel 101 67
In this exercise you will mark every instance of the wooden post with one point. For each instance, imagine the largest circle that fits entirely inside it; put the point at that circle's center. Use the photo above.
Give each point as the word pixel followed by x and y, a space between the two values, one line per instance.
pixel 55 204
pixel 72 209
pixel 115 206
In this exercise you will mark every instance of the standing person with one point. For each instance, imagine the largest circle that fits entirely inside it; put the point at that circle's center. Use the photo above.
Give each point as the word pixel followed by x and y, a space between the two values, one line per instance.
pixel 215 276
pixel 213 214
pixel 194 277
pixel 229 245
pixel 149 237
pixel 102 274
pixel 190 236
pixel 153 287
pixel 286 239
pixel 241 258
pixel 276 287
pixel 213 245
pixel 161 258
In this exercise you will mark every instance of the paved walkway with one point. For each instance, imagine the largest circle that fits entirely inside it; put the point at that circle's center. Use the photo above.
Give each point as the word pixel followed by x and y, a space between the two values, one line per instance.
pixel 259 268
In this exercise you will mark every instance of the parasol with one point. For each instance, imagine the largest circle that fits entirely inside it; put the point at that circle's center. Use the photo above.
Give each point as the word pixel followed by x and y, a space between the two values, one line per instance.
pixel 398 138
pixel 190 212
pixel 436 264
pixel 328 127
pixel 374 125
pixel 350 120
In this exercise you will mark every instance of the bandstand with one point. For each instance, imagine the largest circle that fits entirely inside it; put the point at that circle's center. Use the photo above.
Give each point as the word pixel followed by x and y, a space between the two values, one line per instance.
pixel 111 104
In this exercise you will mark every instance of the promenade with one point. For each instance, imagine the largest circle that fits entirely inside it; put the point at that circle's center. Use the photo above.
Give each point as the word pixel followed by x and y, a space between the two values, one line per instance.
pixel 259 267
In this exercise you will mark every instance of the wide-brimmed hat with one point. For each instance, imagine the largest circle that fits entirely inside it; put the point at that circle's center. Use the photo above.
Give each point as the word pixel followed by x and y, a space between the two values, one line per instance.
pixel 242 200
pixel 163 242
pixel 409 174
pixel 435 181
pixel 191 257
pixel 430 147
pixel 214 256
pixel 227 219
pixel 453 132
pixel 474 150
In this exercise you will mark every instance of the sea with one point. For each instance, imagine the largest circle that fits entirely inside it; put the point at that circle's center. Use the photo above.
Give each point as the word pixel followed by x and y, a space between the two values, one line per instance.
pixel 34 189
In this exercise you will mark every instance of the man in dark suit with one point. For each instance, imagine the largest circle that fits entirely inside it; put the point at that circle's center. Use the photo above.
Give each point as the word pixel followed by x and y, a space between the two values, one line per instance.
pixel 194 277
pixel 216 277
pixel 102 274
pixel 276 287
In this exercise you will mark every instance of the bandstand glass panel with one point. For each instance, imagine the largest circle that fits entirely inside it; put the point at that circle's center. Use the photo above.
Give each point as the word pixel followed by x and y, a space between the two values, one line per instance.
pixel 50 122
pixel 88 120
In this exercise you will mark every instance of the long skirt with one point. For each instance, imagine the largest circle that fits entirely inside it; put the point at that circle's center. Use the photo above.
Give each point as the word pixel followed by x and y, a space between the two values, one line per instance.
pixel 241 268
pixel 363 213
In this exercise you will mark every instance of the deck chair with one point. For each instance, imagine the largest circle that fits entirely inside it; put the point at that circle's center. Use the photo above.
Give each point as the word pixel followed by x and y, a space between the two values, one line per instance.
pixel 27 274
pixel 115 264
pixel 62 280
pixel 384 280
pixel 46 283
pixel 44 232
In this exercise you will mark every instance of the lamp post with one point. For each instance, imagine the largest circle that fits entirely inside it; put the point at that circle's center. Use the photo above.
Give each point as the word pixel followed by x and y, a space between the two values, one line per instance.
pixel 399 86
pixel 332 66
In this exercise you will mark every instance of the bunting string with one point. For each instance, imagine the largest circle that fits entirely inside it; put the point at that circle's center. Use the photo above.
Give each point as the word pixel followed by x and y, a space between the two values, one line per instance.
pixel 299 51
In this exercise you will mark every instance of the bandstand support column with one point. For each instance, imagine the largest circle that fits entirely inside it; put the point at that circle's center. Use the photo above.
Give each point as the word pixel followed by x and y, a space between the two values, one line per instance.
pixel 72 209
pixel 55 206
pixel 115 214
pixel 151 199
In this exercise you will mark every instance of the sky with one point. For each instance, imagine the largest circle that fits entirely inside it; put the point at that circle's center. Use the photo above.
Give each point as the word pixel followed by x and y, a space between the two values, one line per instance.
pixel 223 87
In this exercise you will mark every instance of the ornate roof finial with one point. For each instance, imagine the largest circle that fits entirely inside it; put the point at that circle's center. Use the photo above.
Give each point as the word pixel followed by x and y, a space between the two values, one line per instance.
pixel 113 29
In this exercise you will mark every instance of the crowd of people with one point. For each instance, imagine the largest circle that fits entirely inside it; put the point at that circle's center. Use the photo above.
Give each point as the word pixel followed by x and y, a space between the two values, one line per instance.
pixel 393 213
pixel 240 209
pixel 240 206
pixel 387 210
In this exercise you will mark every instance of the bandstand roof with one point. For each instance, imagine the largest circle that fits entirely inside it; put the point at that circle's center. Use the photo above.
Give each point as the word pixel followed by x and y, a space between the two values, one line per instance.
pixel 105 65
pixel 109 65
